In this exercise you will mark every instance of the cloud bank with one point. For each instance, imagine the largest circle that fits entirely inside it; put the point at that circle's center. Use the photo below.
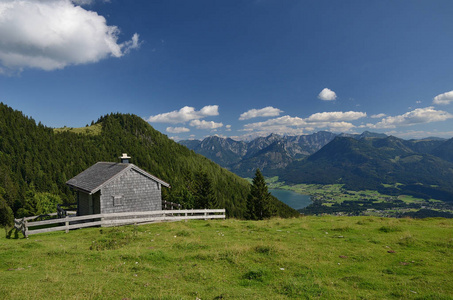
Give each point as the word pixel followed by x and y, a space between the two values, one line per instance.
pixel 334 121
pixel 177 129
pixel 87 2
pixel 444 99
pixel 185 114
pixel 336 116
pixel 268 111
pixel 53 34
pixel 205 124
pixel 378 116
pixel 327 95
pixel 417 116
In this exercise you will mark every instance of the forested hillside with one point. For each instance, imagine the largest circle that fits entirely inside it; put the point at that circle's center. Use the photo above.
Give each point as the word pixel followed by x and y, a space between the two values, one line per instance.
pixel 388 165
pixel 36 161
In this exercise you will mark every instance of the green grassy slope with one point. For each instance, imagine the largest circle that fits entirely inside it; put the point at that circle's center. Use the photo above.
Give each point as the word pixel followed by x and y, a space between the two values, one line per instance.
pixel 304 258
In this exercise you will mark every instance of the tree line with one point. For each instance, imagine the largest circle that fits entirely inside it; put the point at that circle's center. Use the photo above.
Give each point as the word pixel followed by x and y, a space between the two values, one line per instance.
pixel 36 162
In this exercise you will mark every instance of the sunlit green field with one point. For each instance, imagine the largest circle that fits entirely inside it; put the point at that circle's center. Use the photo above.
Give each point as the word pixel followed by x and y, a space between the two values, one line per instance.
pixel 305 258
pixel 90 130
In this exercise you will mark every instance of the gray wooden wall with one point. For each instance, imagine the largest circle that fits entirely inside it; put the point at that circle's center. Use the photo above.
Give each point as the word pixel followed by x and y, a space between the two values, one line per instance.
pixel 132 191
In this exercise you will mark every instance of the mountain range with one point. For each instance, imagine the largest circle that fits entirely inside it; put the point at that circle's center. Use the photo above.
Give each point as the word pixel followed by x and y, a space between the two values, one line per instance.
pixel 271 152
pixel 423 168
pixel 266 153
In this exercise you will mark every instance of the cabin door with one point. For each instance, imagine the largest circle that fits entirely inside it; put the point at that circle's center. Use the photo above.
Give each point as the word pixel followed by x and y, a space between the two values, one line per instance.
pixel 90 204
pixel 97 203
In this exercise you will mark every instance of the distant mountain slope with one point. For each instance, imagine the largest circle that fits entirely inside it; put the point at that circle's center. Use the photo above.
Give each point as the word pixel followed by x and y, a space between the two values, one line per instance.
pixel 424 145
pixel 223 151
pixel 274 156
pixel 35 158
pixel 365 134
pixel 267 153
pixel 360 161
pixel 370 162
pixel 444 150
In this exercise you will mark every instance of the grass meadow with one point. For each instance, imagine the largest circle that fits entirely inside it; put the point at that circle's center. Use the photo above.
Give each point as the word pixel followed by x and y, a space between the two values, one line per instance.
pixel 304 258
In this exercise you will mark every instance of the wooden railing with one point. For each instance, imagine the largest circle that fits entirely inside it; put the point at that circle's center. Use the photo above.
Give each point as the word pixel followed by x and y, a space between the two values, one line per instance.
pixel 62 212
pixel 25 225
pixel 170 205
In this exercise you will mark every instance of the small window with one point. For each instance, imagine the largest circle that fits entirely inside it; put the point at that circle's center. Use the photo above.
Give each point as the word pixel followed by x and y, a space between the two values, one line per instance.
pixel 117 200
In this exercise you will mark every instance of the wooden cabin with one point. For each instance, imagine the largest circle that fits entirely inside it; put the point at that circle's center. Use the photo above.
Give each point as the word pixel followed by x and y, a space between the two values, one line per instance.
pixel 109 187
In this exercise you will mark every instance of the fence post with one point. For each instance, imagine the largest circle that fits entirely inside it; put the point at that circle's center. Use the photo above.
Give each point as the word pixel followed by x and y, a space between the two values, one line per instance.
pixel 66 224
pixel 25 227
pixel 205 213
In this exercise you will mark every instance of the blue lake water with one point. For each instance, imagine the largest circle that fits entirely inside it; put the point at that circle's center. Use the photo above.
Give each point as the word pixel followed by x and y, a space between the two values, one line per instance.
pixel 293 199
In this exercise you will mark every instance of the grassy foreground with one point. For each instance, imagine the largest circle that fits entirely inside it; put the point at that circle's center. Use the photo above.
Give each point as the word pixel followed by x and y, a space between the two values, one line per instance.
pixel 305 258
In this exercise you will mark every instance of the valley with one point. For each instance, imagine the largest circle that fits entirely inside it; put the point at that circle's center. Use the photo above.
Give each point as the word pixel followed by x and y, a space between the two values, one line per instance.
pixel 352 174
pixel 334 199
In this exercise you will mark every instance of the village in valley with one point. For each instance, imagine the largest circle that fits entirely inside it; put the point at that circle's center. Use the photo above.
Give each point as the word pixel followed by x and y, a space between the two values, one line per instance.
pixel 335 200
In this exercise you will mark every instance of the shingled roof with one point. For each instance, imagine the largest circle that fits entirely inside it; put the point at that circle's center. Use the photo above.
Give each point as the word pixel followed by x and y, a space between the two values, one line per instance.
pixel 92 179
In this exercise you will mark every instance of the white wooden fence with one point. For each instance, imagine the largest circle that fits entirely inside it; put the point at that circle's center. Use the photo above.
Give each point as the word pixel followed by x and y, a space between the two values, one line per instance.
pixel 26 225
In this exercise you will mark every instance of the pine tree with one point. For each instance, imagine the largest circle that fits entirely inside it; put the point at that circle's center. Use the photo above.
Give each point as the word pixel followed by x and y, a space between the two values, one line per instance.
pixel 203 191
pixel 6 214
pixel 259 199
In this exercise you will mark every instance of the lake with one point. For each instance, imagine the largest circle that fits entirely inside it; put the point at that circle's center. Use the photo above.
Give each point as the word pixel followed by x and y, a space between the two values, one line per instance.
pixel 293 199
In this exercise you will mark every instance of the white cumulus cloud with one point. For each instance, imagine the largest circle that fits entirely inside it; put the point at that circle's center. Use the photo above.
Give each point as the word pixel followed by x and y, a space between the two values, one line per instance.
pixel 205 124
pixel 327 95
pixel 445 98
pixel 185 114
pixel 378 116
pixel 268 111
pixel 87 2
pixel 54 34
pixel 292 125
pixel 276 123
pixel 417 116
pixel 177 129
pixel 336 116
pixel 83 2
pixel 210 110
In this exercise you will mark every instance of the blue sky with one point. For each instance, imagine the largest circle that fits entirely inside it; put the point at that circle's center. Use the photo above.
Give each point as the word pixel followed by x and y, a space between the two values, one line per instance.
pixel 233 68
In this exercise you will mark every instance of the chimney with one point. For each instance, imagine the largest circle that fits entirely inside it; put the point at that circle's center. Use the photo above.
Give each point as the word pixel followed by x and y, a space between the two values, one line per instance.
pixel 124 158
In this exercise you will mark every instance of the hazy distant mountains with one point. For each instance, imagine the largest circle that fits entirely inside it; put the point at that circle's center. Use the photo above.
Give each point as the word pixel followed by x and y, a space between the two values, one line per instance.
pixel 267 153
pixel 423 168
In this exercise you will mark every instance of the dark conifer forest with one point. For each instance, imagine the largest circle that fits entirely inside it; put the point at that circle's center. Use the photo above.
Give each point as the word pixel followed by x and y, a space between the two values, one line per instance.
pixel 36 161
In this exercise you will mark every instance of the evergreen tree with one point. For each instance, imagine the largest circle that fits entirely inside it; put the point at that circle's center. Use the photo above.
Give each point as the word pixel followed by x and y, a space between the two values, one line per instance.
pixel 203 191
pixel 6 214
pixel 259 199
